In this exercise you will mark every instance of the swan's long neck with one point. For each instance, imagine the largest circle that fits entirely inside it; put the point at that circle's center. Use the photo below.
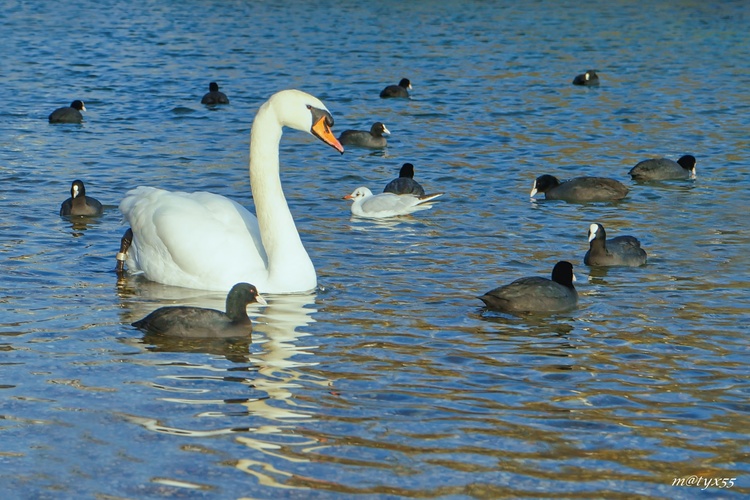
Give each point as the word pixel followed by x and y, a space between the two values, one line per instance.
pixel 281 241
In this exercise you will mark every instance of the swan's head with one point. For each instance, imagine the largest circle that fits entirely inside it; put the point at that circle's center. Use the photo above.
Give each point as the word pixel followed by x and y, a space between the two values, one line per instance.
pixel 301 111
pixel 360 192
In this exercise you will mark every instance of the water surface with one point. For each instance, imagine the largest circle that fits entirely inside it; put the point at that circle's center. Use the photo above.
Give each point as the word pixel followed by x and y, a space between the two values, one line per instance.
pixel 391 380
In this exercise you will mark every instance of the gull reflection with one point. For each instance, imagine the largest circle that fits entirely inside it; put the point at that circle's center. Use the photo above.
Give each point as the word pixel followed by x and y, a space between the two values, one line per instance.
pixel 402 224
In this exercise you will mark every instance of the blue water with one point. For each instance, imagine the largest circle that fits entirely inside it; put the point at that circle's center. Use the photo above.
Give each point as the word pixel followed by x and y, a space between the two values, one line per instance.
pixel 391 380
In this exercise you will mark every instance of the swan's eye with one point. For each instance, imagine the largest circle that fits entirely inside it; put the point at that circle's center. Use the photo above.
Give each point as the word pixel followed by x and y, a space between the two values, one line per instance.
pixel 309 107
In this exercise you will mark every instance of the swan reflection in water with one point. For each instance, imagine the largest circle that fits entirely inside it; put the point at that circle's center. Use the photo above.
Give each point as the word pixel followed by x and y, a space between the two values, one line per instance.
pixel 268 363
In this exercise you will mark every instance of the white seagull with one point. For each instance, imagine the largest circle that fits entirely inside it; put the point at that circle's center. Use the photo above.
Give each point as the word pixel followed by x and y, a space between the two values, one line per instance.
pixel 380 206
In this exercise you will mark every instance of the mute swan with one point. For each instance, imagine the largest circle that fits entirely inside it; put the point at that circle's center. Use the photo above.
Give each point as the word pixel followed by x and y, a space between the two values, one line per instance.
pixel 619 251
pixel 199 322
pixel 206 241
pixel 79 203
pixel 383 205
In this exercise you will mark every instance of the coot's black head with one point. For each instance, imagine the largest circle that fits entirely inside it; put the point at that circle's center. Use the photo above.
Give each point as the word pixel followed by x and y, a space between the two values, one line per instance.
pixel 78 105
pixel 213 87
pixel 546 182
pixel 244 293
pixel 378 129
pixel 563 273
pixel 238 299
pixel 77 189
pixel 405 83
pixel 596 232
pixel 687 162
pixel 407 171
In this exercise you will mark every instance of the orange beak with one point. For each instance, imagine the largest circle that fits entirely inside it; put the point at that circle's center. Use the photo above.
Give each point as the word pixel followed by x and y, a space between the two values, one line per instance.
pixel 347 197
pixel 322 131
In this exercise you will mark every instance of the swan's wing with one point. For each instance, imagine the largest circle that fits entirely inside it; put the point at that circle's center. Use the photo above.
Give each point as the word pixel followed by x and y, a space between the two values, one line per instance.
pixel 197 240
pixel 210 223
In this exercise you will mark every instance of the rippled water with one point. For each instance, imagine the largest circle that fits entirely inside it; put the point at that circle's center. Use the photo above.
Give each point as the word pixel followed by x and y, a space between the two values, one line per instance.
pixel 390 380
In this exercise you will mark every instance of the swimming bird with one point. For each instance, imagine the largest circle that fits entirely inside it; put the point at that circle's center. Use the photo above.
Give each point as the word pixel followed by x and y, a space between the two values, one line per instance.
pixel 588 78
pixel 214 96
pixel 68 114
pixel 206 241
pixel 619 251
pixel 200 322
pixel 379 206
pixel 535 294
pixel 664 169
pixel 400 90
pixel 579 189
pixel 405 183
pixel 79 203
pixel 373 139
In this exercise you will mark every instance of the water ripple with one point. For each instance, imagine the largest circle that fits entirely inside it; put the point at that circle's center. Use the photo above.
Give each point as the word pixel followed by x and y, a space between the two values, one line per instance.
pixel 391 380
